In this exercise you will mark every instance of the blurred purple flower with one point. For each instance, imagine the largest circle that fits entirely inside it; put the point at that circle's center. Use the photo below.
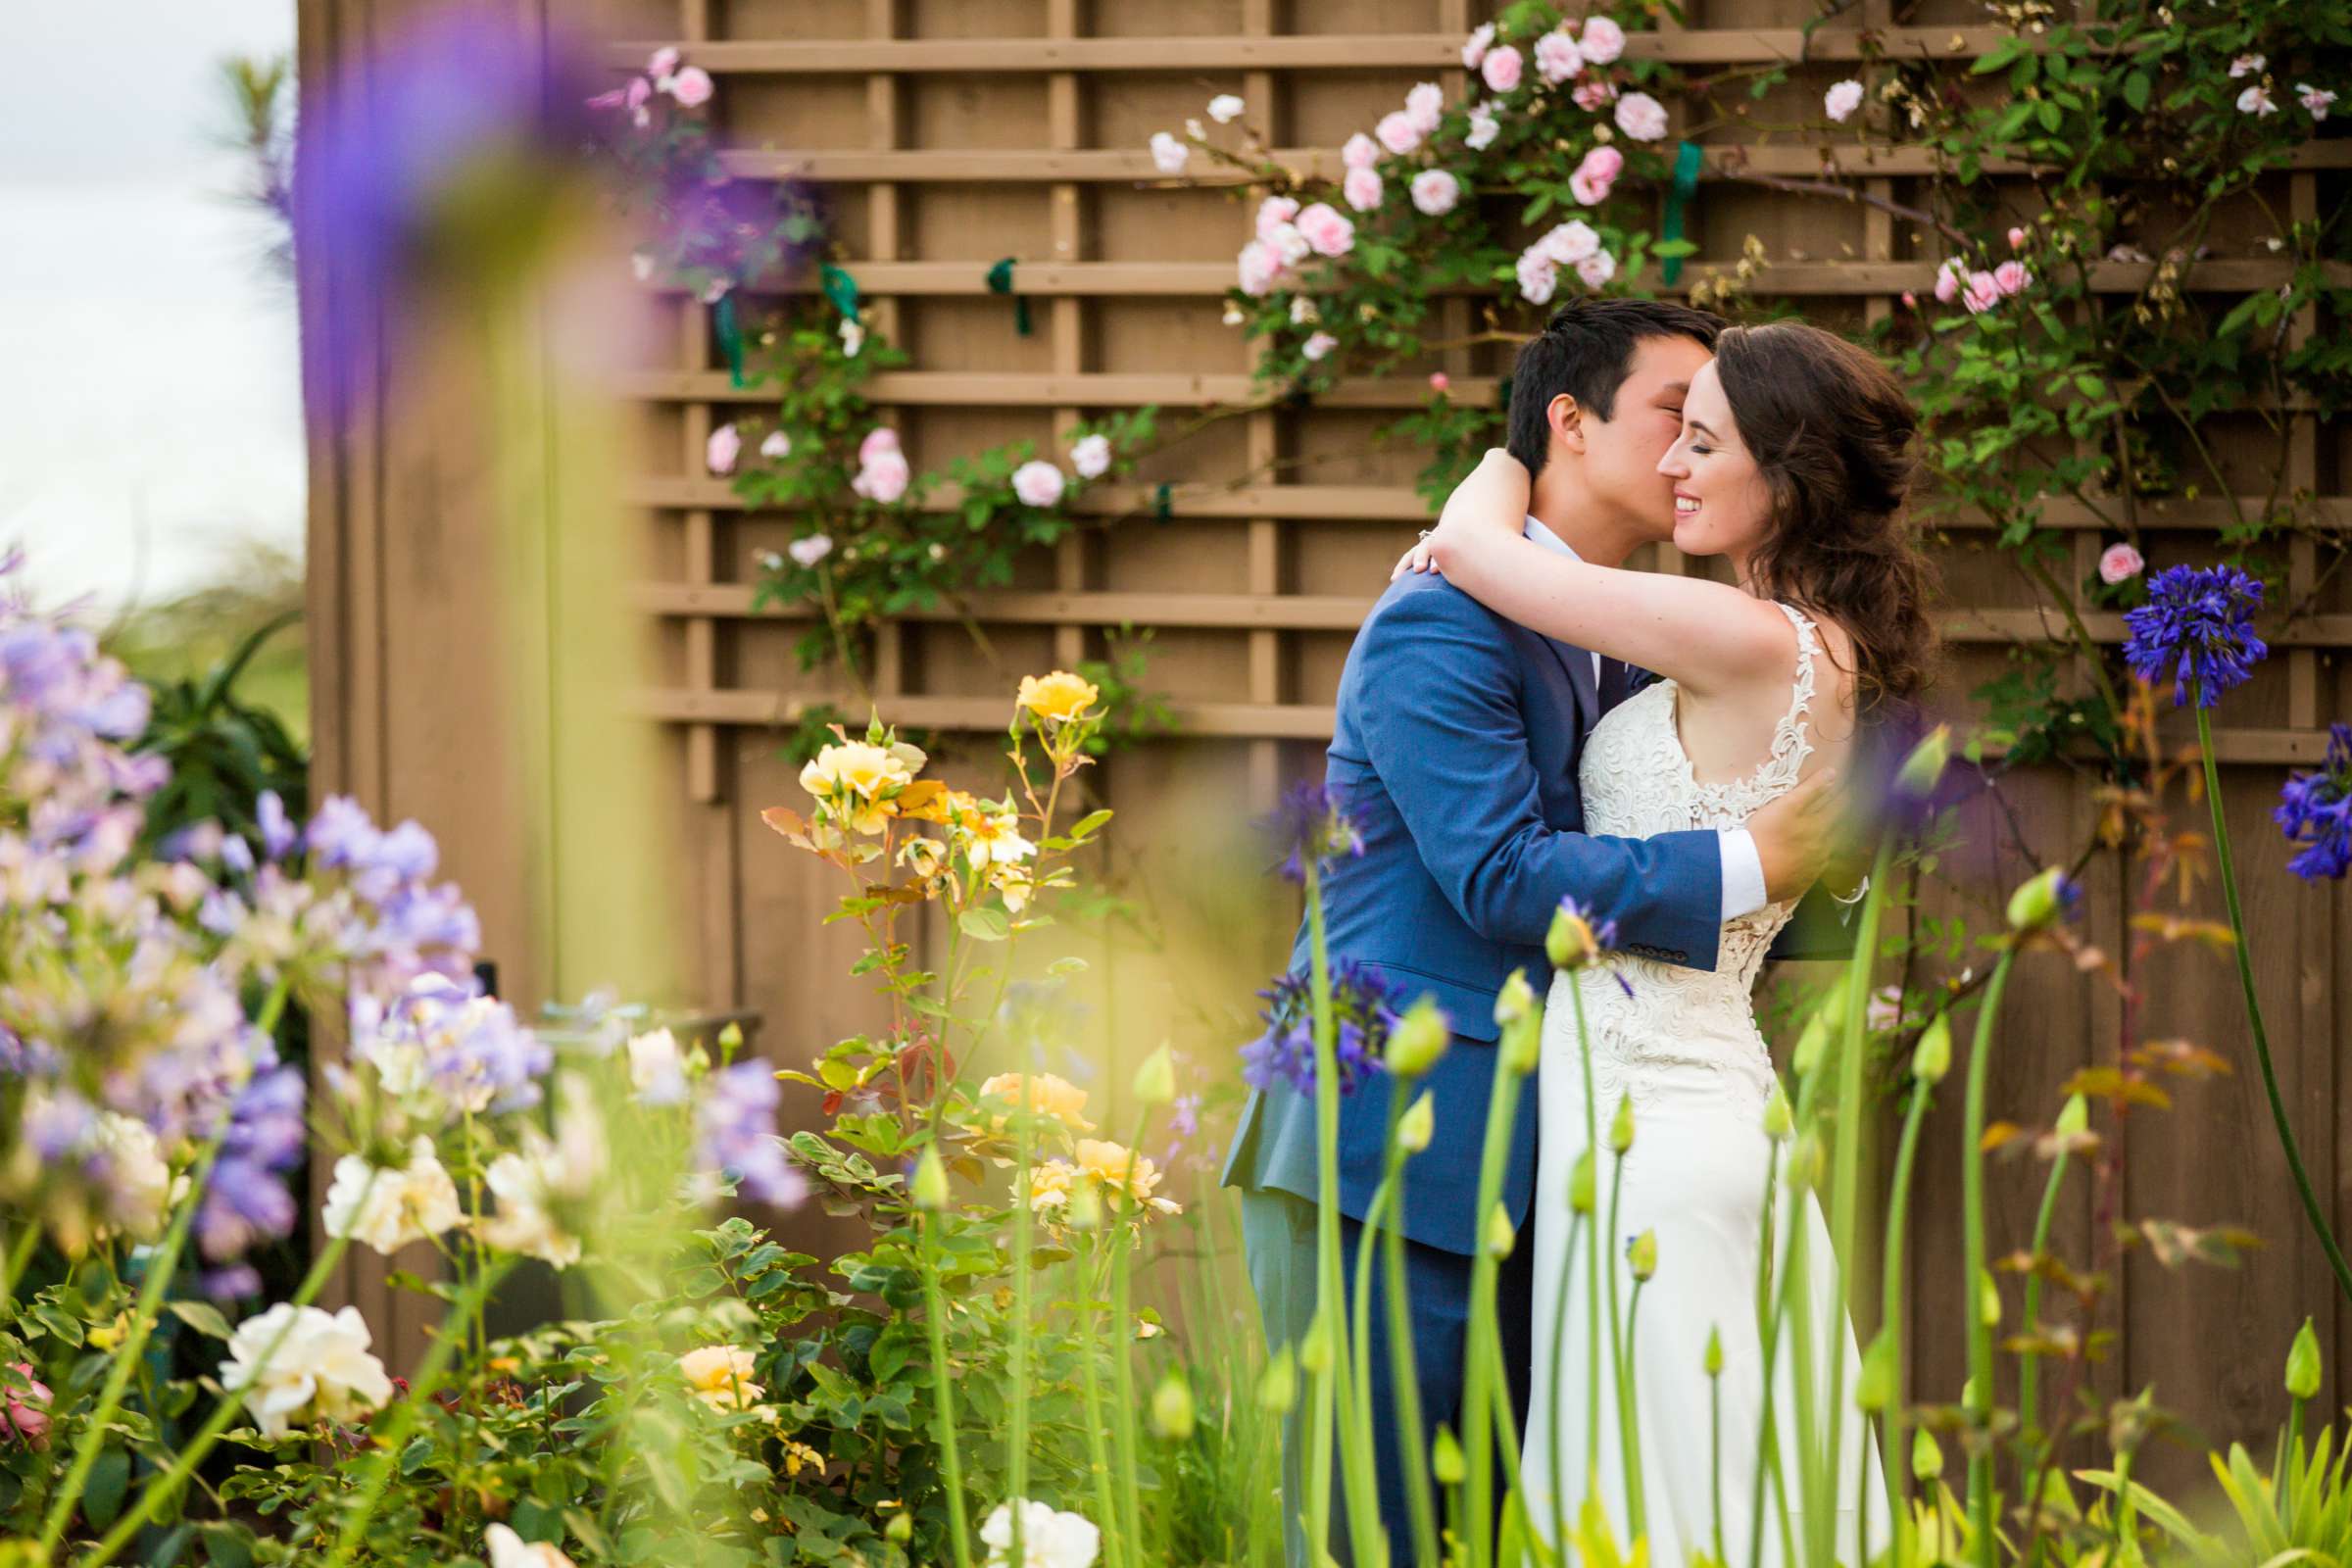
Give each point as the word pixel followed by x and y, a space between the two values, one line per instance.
pixel 1310 827
pixel 2200 622
pixel 1363 1010
pixel 2315 812
pixel 735 1133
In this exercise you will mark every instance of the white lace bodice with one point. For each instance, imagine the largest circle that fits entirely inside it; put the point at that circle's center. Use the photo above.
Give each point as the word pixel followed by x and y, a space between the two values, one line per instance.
pixel 1648 1017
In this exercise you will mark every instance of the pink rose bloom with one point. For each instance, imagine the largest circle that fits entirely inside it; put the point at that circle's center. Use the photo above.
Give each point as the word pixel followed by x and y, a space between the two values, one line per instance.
pixel 1602 40
pixel 1169 155
pixel 1316 347
pixel 690 87
pixel 723 449
pixel 1597 269
pixel 1842 100
pixel 1982 294
pixel 1592 94
pixel 2256 101
pixel 1910 301
pixel 2120 564
pixel 1273 213
pixel 1038 483
pixel 1950 278
pixel 1435 191
pixel 2011 277
pixel 1538 276
pixel 1484 129
pixel 1362 189
pixel 1569 243
pixel 1440 381
pixel 662 63
pixel 880 439
pixel 1328 231
pixel 1474 49
pixel 1641 117
pixel 1557 58
pixel 1256 269
pixel 1502 69
pixel 1289 247
pixel 1425 105
pixel 638 92
pixel 26 1414
pixel 2246 65
pixel 1594 177
pixel 1361 152
pixel 1397 132
pixel 2315 100
pixel 2017 239
pixel 884 479
pixel 1091 457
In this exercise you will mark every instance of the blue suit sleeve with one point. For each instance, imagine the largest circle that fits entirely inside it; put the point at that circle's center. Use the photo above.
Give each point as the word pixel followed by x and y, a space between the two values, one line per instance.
pixel 1440 720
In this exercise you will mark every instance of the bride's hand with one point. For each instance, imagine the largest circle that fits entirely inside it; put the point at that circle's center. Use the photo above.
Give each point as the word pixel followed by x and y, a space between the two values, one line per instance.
pixel 1493 499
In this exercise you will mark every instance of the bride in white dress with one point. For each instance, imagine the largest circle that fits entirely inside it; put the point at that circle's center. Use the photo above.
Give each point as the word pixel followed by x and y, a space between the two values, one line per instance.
pixel 1793 463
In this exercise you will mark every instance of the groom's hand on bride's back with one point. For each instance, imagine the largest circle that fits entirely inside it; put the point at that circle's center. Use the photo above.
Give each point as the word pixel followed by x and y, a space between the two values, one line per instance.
pixel 1801 835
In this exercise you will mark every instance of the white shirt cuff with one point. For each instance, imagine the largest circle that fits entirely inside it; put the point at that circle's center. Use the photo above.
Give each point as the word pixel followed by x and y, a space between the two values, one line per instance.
pixel 1743 873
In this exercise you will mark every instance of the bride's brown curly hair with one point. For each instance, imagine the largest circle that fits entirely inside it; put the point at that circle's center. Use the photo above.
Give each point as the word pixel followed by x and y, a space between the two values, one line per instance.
pixel 1832 433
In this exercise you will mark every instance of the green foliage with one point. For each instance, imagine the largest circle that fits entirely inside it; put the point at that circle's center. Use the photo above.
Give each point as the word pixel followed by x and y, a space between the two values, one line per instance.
pixel 224 751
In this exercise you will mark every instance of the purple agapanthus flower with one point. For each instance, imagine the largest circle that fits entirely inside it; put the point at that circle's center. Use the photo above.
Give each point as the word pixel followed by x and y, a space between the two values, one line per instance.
pixel 2199 622
pixel 735 1133
pixel 1363 1010
pixel 2315 812
pixel 245 1198
pixel 1311 827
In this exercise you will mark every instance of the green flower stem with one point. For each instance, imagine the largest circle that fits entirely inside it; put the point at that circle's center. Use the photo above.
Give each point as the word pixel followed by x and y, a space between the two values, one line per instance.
pixel 1377 1218
pixel 1629 1382
pixel 1584 1053
pixel 1715 1459
pixel 1766 1322
pixel 161 1266
pixel 1551 1400
pixel 1122 1370
pixel 1403 1374
pixel 1106 1508
pixel 2028 1371
pixel 943 1383
pixel 1506 1439
pixel 157 1492
pixel 2262 1039
pixel 19 1253
pixel 1605 1256
pixel 1890 1304
pixel 1016 1466
pixel 1972 1249
pixel 384 1462
pixel 1328 1284
pixel 1805 1434
pixel 1479 1386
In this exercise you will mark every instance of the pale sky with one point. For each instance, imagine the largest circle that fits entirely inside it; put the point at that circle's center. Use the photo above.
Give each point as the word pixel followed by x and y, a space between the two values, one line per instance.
pixel 150 400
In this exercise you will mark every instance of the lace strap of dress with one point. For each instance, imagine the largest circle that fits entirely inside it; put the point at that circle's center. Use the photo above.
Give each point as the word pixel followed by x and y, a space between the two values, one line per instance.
pixel 1790 744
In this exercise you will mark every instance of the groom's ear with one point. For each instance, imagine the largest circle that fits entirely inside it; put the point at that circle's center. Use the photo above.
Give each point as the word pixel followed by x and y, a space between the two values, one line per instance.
pixel 1567 423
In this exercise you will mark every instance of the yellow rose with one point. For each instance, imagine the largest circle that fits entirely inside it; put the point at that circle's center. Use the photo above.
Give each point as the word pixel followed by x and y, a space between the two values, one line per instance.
pixel 859 779
pixel 1059 698
pixel 1131 1175
pixel 798 1457
pixel 990 833
pixel 1049 1186
pixel 1048 1096
pixel 720 1376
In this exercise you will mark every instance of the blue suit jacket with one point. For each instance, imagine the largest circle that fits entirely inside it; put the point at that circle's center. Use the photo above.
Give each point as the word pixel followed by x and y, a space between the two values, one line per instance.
pixel 1455 753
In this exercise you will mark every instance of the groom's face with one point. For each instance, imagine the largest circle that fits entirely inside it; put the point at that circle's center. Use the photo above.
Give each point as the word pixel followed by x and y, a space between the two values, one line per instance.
pixel 1621 452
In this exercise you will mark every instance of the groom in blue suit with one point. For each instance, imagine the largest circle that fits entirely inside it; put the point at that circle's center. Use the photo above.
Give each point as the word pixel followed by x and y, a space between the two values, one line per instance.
pixel 1454 754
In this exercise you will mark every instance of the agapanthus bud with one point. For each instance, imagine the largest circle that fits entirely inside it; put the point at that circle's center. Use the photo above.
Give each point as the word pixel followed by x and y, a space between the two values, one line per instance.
pixel 1714 1353
pixel 1988 1299
pixel 1621 1126
pixel 2303 1363
pixel 1926 1455
pixel 1314 1351
pixel 1155 1079
pixel 1521 1049
pixel 2049 897
pixel 1278 1385
pixel 2073 1117
pixel 1571 943
pixel 1445 1458
pixel 1778 1121
pixel 1933 1057
pixel 1924 767
pixel 1418 1040
pixel 929 1189
pixel 1874 1390
pixel 1580 1182
pixel 1172 1408
pixel 901 1528
pixel 1500 1237
pixel 1086 1206
pixel 1417 1125
pixel 1513 1002
pixel 1642 1254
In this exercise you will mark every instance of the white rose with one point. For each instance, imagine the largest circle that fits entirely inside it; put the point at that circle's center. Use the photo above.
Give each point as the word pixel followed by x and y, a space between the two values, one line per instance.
pixel 388 1210
pixel 1050 1538
pixel 1225 108
pixel 510 1550
pixel 1168 154
pixel 1091 457
pixel 321 1370
pixel 530 1185
pixel 1038 483
pixel 139 1184
pixel 656 1068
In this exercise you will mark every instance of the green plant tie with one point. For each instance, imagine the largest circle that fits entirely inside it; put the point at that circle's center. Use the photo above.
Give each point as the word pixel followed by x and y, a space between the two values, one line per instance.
pixel 730 334
pixel 1160 508
pixel 999 281
pixel 1687 161
pixel 841 288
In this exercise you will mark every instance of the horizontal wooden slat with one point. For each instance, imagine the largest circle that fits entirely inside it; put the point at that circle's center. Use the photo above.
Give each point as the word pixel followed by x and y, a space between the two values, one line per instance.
pixel 1420 51
pixel 1249 720
pixel 1123 165
pixel 1339 502
pixel 1345 613
pixel 1780 280
pixel 954 388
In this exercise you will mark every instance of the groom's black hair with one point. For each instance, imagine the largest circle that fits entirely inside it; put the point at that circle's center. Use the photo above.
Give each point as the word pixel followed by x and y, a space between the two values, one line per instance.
pixel 1586 350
